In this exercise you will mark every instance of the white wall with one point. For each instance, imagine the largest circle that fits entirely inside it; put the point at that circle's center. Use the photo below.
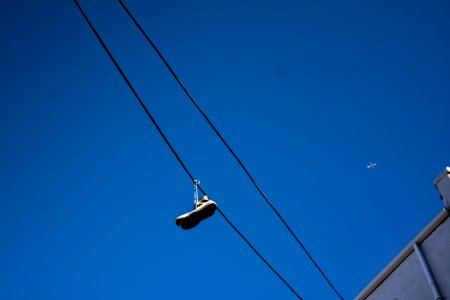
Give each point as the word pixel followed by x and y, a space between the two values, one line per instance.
pixel 407 281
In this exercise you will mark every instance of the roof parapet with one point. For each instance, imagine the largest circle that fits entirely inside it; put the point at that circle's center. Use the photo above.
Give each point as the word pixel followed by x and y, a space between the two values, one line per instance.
pixel 442 183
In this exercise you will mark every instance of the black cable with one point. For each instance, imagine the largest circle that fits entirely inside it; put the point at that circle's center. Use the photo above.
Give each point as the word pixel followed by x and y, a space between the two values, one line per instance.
pixel 257 253
pixel 228 147
pixel 173 150
pixel 134 92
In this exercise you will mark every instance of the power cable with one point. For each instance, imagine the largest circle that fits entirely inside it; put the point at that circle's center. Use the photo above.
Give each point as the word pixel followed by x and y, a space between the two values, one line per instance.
pixel 257 253
pixel 175 153
pixel 175 76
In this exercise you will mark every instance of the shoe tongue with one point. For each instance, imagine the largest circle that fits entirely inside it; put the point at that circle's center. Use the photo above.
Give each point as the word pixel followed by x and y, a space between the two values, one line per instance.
pixel 201 202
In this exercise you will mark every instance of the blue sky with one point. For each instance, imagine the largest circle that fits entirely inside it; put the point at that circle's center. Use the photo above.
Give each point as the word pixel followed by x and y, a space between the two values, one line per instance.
pixel 306 92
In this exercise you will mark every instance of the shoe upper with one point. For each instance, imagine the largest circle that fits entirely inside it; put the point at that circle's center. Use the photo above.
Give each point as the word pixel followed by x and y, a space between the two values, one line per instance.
pixel 205 199
pixel 203 209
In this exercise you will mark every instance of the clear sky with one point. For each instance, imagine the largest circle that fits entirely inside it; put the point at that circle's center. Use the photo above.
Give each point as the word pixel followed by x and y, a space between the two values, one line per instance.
pixel 306 92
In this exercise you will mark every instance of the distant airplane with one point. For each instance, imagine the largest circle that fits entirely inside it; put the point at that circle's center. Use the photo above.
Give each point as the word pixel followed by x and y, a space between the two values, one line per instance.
pixel 371 165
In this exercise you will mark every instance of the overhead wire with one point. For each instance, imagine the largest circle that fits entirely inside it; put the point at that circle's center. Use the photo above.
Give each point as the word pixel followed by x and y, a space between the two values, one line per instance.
pixel 233 153
pixel 177 156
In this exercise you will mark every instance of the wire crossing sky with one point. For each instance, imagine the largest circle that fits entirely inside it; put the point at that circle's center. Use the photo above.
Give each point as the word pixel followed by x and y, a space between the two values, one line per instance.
pixel 308 93
pixel 175 153
pixel 230 150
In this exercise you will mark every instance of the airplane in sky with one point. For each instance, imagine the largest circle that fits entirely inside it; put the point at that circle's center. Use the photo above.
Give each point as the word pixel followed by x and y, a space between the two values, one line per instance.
pixel 371 165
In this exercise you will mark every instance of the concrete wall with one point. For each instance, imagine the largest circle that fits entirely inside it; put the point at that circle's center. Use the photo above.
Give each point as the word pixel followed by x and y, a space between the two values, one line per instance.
pixel 407 282
pixel 421 271
pixel 404 278
pixel 436 249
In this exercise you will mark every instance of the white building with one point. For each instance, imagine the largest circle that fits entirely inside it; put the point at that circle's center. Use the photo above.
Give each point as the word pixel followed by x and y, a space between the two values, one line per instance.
pixel 421 271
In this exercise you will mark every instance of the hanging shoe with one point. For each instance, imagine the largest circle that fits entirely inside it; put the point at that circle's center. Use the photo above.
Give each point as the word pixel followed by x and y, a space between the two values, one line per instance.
pixel 203 209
